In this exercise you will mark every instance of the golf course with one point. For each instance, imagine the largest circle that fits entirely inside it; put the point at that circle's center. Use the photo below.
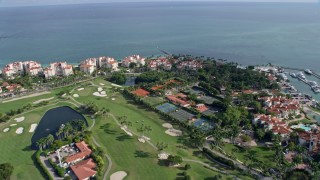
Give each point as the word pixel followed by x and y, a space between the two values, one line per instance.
pixel 139 160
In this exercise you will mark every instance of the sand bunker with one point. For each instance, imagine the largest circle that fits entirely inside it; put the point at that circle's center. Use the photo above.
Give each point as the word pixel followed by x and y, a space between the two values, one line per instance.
pixel 101 84
pixel 80 89
pixel 20 119
pixel 141 140
pixel 118 175
pixel 41 100
pixel 146 138
pixel 19 130
pixel 167 125
pixel 163 156
pixel 6 129
pixel 173 132
pixel 100 89
pixel 76 95
pixel 116 85
pixel 33 127
pixel 13 125
pixel 113 99
pixel 99 94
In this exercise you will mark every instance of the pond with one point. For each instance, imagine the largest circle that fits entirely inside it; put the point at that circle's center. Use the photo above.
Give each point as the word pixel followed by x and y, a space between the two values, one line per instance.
pixel 53 119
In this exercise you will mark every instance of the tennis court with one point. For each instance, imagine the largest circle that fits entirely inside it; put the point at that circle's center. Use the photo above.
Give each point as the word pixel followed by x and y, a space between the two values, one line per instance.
pixel 182 115
pixel 203 124
pixel 166 107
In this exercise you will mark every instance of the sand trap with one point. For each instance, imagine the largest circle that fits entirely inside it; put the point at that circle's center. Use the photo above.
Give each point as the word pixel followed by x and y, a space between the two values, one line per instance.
pixel 118 175
pixel 141 140
pixel 100 89
pixel 101 84
pixel 76 95
pixel 99 95
pixel 63 95
pixel 20 119
pixel 6 129
pixel 33 127
pixel 103 93
pixel 163 155
pixel 167 125
pixel 116 85
pixel 173 132
pixel 113 99
pixel 80 89
pixel 146 138
pixel 41 100
pixel 19 130
pixel 13 125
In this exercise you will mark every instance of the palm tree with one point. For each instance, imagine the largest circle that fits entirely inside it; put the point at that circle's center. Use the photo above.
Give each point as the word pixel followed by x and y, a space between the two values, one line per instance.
pixel 39 144
pixel 49 139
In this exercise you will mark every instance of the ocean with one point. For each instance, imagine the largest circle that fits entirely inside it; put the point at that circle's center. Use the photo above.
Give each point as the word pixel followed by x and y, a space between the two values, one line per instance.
pixel 285 34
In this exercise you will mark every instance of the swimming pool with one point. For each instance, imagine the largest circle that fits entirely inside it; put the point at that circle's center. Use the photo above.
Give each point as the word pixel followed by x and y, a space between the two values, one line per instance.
pixel 301 126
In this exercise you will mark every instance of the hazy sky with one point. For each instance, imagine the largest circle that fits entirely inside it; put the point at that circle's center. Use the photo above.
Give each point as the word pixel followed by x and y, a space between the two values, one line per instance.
pixel 53 2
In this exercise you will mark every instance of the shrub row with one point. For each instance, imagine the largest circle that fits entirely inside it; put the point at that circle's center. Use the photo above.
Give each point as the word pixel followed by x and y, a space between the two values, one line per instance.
pixel 44 170
pixel 58 170
pixel 219 159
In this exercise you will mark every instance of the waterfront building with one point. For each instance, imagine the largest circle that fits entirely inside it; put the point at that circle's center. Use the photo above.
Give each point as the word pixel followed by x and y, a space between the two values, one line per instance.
pixel 58 69
pixel 140 61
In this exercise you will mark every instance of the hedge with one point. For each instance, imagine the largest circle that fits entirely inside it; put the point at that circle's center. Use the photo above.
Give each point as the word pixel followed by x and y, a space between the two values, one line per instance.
pixel 58 170
pixel 44 170
pixel 219 159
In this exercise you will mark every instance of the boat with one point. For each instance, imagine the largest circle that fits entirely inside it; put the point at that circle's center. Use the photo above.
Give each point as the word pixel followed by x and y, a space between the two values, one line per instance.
pixel 293 75
pixel 301 75
pixel 313 83
pixel 315 89
pixel 308 71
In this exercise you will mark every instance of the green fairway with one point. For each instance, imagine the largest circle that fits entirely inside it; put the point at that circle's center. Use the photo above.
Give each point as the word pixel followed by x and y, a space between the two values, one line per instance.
pixel 138 159
pixel 15 148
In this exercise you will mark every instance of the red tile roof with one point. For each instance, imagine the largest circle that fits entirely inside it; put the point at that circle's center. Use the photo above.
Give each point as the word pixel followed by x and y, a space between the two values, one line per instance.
pixel 84 152
pixel 141 92
pixel 84 169
pixel 177 100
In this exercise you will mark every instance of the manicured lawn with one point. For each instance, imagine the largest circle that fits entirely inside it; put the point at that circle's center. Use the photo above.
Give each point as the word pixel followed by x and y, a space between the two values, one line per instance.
pixel 138 159
pixel 154 100
pixel 15 148
pixel 263 154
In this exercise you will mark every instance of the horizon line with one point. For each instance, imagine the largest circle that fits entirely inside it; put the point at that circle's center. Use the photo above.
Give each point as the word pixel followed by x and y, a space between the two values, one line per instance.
pixel 181 1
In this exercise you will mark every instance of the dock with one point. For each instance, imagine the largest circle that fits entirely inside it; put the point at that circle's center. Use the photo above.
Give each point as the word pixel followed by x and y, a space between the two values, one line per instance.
pixel 316 75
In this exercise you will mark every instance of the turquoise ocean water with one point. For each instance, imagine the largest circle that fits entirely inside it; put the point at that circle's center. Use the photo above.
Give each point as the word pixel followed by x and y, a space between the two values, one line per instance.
pixel 248 33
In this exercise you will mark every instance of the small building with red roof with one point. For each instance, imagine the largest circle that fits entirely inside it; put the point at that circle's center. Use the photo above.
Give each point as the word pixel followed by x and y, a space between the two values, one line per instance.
pixel 84 170
pixel 84 151
pixel 141 92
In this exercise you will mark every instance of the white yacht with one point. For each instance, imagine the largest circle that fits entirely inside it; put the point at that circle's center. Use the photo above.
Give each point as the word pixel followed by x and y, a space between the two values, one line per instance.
pixel 301 75
pixel 308 71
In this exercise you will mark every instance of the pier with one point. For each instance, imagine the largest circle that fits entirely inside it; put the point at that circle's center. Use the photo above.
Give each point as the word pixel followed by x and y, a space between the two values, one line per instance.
pixel 316 75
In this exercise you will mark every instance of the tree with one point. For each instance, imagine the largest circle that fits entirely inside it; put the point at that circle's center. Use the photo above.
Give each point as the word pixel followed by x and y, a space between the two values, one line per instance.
pixel 161 146
pixel 260 133
pixel 187 166
pixel 174 160
pixel 118 78
pixel 132 65
pixel 6 170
